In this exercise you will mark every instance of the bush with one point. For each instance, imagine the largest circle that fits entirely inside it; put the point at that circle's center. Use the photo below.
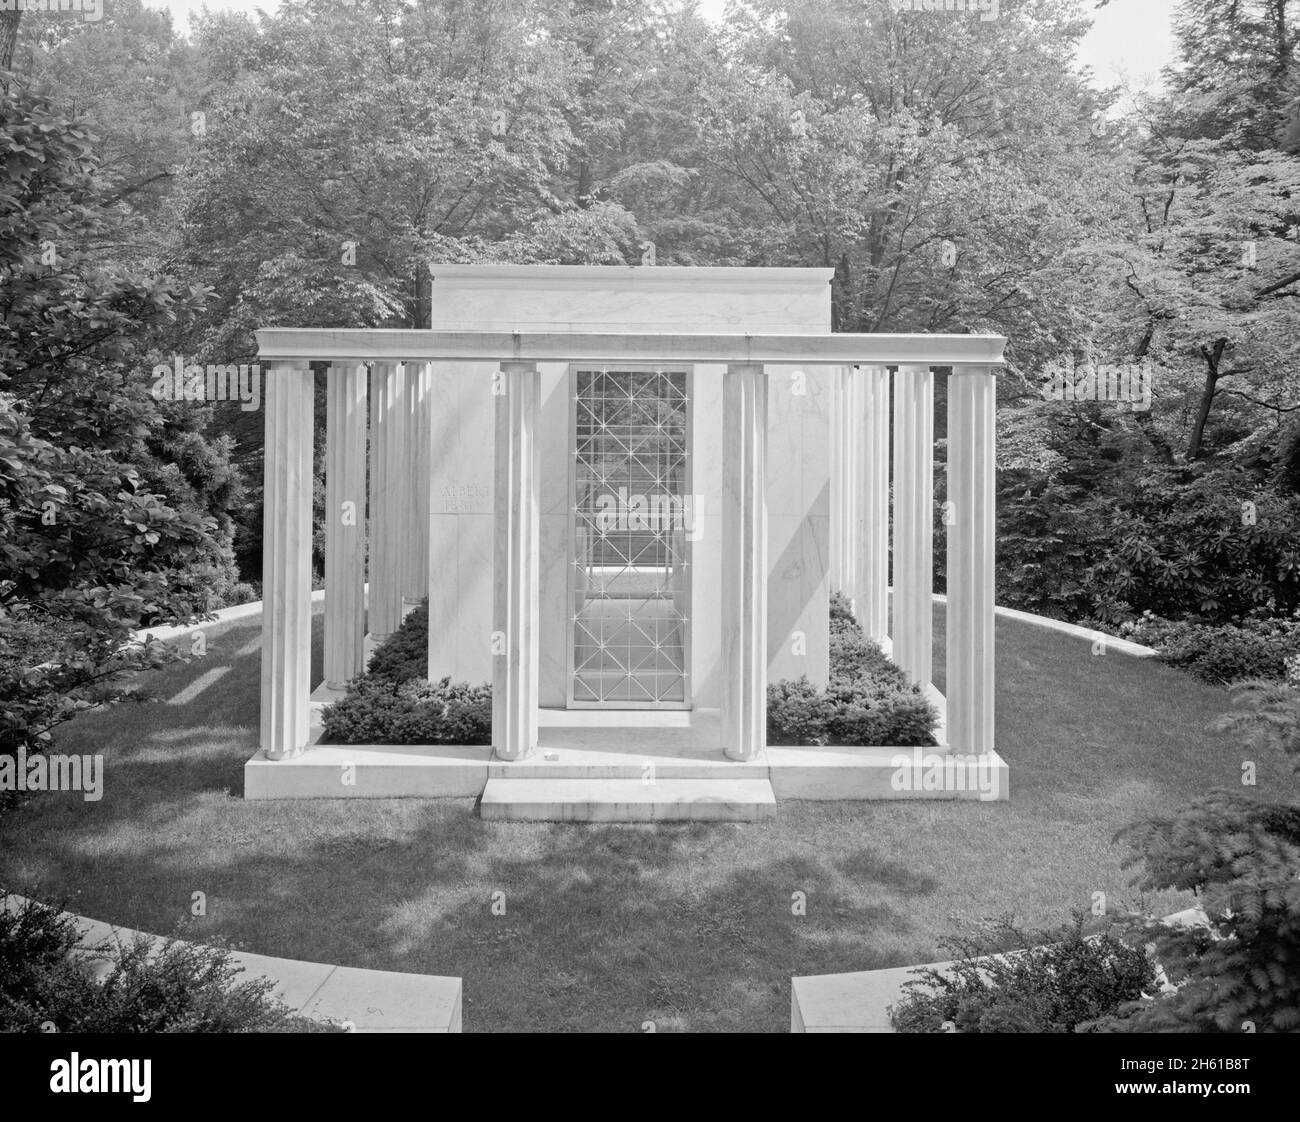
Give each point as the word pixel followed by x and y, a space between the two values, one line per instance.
pixel 876 714
pixel 393 703
pixel 384 711
pixel 404 655
pixel 797 713
pixel 241 593
pixel 1003 980
pixel 868 700
pixel 1252 648
pixel 46 978
pixel 1241 856
pixel 1171 547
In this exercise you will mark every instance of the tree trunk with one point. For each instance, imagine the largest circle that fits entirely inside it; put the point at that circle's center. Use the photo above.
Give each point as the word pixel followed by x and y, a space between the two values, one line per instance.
pixel 1145 421
pixel 1212 356
pixel 8 36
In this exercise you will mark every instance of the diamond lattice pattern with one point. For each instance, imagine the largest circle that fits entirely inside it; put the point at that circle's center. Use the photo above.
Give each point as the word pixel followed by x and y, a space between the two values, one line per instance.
pixel 631 514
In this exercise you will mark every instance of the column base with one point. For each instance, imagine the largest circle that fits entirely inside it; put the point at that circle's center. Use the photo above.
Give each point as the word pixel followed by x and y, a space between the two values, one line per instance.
pixel 292 754
pixel 498 758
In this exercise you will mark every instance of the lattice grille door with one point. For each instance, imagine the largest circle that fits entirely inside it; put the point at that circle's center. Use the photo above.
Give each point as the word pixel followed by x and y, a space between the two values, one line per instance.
pixel 631 514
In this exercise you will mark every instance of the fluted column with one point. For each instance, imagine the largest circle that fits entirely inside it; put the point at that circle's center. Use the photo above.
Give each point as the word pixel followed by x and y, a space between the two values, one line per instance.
pixel 386 513
pixel 345 513
pixel 972 401
pixel 913 520
pixel 415 413
pixel 286 562
pixel 852 480
pixel 872 585
pixel 516 544
pixel 744 557
pixel 835 566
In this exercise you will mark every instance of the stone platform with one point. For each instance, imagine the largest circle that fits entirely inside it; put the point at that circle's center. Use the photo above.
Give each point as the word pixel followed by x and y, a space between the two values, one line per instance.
pixel 603 765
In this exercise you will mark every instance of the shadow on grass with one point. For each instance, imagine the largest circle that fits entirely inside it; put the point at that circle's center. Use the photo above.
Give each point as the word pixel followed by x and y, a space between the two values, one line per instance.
pixel 608 927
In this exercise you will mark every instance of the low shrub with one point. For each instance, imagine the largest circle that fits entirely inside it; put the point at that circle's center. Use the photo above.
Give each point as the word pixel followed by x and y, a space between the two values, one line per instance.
pixel 1005 980
pixel 797 713
pixel 394 703
pixel 379 710
pixel 872 713
pixel 47 979
pixel 1263 648
pixel 241 593
pixel 404 655
pixel 868 700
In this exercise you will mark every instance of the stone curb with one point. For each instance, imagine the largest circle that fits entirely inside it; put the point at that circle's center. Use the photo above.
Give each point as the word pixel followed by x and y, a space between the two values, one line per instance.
pixel 364 1000
pixel 859 1001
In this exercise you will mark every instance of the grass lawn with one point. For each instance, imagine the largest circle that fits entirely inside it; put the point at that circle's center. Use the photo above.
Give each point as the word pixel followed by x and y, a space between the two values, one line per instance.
pixel 606 927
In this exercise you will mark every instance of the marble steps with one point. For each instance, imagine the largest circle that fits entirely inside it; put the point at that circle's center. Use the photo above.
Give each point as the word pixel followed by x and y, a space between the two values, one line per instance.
pixel 559 799
pixel 645 765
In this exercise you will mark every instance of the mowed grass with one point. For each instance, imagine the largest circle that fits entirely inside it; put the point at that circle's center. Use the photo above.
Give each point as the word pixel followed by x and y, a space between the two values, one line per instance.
pixel 692 927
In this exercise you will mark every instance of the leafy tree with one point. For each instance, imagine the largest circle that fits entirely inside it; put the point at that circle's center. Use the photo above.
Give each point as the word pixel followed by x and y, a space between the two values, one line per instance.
pixel 98 534
pixel 131 78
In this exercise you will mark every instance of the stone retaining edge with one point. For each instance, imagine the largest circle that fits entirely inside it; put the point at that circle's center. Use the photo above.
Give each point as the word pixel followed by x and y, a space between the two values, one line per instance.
pixel 364 1000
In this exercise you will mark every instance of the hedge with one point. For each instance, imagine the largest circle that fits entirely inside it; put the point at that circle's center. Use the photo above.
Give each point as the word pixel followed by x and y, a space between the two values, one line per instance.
pixel 868 700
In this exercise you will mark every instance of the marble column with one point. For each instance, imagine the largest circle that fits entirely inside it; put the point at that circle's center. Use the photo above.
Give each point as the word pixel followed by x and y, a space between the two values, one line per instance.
pixel 913 520
pixel 744 559
pixel 387 514
pixel 415 414
pixel 872 585
pixel 286 561
pixel 972 401
pixel 516 545
pixel 852 481
pixel 835 567
pixel 345 517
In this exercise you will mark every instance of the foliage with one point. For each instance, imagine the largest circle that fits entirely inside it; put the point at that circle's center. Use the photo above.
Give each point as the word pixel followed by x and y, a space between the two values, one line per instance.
pixel 1175 549
pixel 1005 980
pixel 98 534
pixel 47 978
pixel 392 703
pixel 1254 648
pixel 1242 858
pixel 1106 533
pixel 868 700
pixel 404 655
pixel 384 711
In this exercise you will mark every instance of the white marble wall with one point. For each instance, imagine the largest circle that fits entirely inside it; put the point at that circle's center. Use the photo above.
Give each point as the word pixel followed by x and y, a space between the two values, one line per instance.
pixel 553 442
pixel 460 522
pixel 798 521
pixel 505 298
